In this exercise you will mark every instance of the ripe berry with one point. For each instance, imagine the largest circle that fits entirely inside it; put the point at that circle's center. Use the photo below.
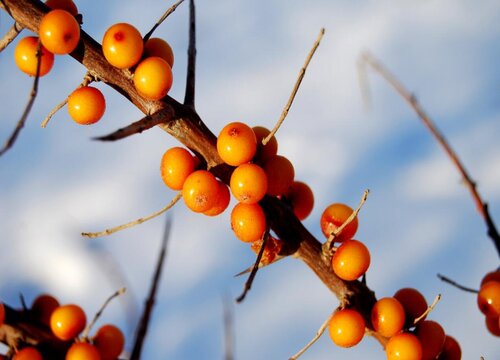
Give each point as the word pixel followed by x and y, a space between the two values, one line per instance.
pixel 67 5
pixel 264 152
pixel 333 217
pixel 26 58
pixel 451 350
pixel 493 325
pixel 431 336
pixel 221 201
pixel 161 48
pixel 122 45
pixel 86 105
pixel 280 174
pixel 301 199
pixel 271 251
pixel 388 316
pixel 28 353
pixel 248 222
pixel 67 321
pixel 176 165
pixel 346 327
pixel 200 191
pixel 351 260
pixel 83 351
pixel 153 78
pixel 59 32
pixel 413 302
pixel 236 144
pixel 43 307
pixel 491 276
pixel 488 299
pixel 2 313
pixel 248 183
pixel 404 346
pixel 109 341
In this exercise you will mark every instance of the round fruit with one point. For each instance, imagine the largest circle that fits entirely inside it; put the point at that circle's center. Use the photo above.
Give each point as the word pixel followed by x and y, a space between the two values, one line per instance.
pixel 86 105
pixel 200 191
pixel 248 222
pixel 432 337
pixel 388 316
pixel 280 174
pixel 333 217
pixel 451 350
pixel 43 307
pixel 413 302
pixel 176 165
pixel 59 32
pixel 153 78
pixel 493 325
pixel 122 45
pixel 301 199
pixel 264 152
pixel 221 201
pixel 488 299
pixel 351 260
pixel 2 313
pixel 248 183
pixel 67 321
pixel 28 353
pixel 26 57
pixel 491 276
pixel 346 327
pixel 109 341
pixel 161 48
pixel 83 351
pixel 404 346
pixel 67 5
pixel 236 144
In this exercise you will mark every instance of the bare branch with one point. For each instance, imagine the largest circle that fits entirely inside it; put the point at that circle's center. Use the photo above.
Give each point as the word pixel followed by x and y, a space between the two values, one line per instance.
pixel 428 310
pixel 117 293
pixel 169 11
pixel 455 284
pixel 191 65
pixel 320 332
pixel 10 36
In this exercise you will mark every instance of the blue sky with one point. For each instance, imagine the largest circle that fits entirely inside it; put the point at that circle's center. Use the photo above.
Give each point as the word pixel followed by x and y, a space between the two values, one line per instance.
pixel 419 219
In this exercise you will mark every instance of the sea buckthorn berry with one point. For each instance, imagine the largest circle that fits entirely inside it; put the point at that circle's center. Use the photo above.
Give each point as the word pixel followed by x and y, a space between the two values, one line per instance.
pixel 59 32
pixel 200 190
pixel 236 143
pixel 67 321
pixel 67 5
pixel 271 251
pixel 491 276
pixel 176 165
pixel 388 316
pixel 333 217
pixel 451 350
pixel 431 336
pixel 404 346
pixel 488 299
pixel 248 183
pixel 2 313
pixel 122 45
pixel 109 341
pixel 413 302
pixel 493 325
pixel 280 174
pixel 301 199
pixel 221 201
pixel 346 327
pixel 161 48
pixel 264 152
pixel 248 222
pixel 28 353
pixel 26 57
pixel 153 78
pixel 43 307
pixel 86 105
pixel 351 260
pixel 83 351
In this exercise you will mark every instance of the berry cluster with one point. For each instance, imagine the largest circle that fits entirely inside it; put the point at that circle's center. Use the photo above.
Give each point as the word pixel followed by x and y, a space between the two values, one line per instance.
pixel 488 301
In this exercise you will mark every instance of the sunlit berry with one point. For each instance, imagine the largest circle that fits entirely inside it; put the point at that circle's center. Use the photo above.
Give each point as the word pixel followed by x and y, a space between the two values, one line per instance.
pixel 388 316
pixel 451 350
pixel 67 5
pixel 264 152
pixel 86 105
pixel 161 48
pixel 221 201
pixel 83 351
pixel 236 143
pixel 27 353
pixel 67 321
pixel 122 45
pixel 176 165
pixel 26 57
pixel 493 325
pixel 109 341
pixel 248 222
pixel 404 346
pixel 346 328
pixel 280 175
pixel 488 299
pixel 333 217
pixel 491 276
pixel 59 32
pixel 301 199
pixel 200 191
pixel 351 260
pixel 432 337
pixel 413 302
pixel 43 307
pixel 271 251
pixel 248 183
pixel 153 78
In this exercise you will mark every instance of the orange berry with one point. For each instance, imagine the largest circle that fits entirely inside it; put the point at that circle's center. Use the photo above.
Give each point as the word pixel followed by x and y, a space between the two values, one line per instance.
pixel 83 351
pixel 451 350
pixel 176 165
pixel 2 313
pixel 161 48
pixel 301 199
pixel 413 302
pixel 248 183
pixel 272 249
pixel 280 174
pixel 200 191
pixel 488 299
pixel 67 321
pixel 431 336
pixel 153 78
pixel 333 217
pixel 28 353
pixel 122 45
pixel 264 152
pixel 67 5
pixel 59 32
pixel 248 222
pixel 221 201
pixel 491 276
pixel 346 327
pixel 388 316
pixel 236 144
pixel 109 341
pixel 404 346
pixel 493 325
pixel 86 105
pixel 26 58
pixel 351 260
pixel 43 307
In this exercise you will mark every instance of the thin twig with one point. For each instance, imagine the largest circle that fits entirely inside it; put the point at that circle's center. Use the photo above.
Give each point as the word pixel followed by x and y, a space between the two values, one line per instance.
pixel 10 36
pixel 150 301
pixel 169 11
pixel 134 222
pixel 320 332
pixel 455 284
pixel 86 332
pixel 228 330
pixel 429 309
pixel 412 101
pixel 295 88
pixel 20 124
pixel 191 63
